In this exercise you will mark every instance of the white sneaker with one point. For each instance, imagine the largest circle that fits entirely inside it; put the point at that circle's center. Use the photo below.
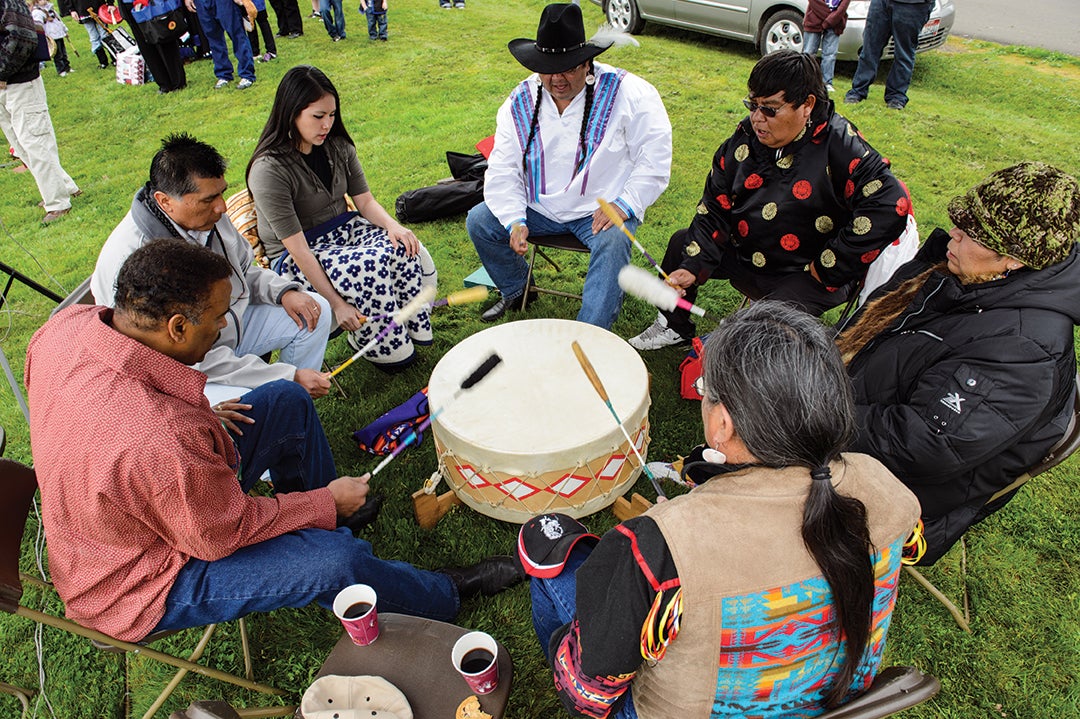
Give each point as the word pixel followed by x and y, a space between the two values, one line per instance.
pixel 220 84
pixel 656 336
pixel 244 83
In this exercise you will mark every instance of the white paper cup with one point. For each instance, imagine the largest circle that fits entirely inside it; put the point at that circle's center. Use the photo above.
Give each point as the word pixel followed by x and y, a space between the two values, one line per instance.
pixel 355 607
pixel 476 657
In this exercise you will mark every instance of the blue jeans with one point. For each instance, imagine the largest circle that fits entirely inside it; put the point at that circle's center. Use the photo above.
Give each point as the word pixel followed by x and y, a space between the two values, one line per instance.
pixel 554 604
pixel 609 252
pixel 298 568
pixel 218 17
pixel 901 21
pixel 269 327
pixel 376 22
pixel 333 17
pixel 829 42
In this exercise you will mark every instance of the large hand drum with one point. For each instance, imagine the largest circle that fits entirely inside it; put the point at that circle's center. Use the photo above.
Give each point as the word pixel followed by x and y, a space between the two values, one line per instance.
pixel 534 436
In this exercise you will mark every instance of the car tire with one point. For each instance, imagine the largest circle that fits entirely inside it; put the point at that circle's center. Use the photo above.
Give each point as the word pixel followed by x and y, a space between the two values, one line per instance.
pixel 624 16
pixel 781 30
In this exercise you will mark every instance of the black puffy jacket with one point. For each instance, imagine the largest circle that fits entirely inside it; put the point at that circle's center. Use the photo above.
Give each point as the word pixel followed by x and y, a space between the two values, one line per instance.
pixel 969 387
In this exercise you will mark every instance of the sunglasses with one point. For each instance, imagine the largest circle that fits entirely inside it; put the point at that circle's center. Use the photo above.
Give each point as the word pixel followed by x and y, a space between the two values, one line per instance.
pixel 765 109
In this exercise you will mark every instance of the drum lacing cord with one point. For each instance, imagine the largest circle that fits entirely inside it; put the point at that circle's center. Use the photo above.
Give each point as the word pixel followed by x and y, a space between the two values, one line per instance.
pixel 432 482
pixel 444 472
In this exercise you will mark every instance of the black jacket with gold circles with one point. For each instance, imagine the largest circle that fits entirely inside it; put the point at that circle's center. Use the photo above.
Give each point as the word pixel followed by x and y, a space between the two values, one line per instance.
pixel 827 197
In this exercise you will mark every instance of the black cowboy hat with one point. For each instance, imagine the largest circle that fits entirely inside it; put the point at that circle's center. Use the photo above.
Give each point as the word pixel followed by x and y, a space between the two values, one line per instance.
pixel 560 43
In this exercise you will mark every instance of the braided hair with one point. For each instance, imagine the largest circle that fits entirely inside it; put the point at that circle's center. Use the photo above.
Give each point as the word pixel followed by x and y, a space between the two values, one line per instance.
pixel 589 72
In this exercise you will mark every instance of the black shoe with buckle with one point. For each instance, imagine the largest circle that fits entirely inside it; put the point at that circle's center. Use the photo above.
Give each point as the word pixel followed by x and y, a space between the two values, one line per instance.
pixel 363 516
pixel 501 305
pixel 487 577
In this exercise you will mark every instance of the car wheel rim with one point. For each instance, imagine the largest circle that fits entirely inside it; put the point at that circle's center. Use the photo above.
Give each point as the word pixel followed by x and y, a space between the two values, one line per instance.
pixel 784 35
pixel 619 14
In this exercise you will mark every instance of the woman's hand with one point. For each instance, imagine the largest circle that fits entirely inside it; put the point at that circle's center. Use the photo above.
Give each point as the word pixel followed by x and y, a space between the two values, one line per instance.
pixel 404 236
pixel 348 317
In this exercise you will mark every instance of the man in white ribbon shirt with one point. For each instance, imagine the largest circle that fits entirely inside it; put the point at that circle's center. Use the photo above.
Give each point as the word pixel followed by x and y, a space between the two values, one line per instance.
pixel 574 131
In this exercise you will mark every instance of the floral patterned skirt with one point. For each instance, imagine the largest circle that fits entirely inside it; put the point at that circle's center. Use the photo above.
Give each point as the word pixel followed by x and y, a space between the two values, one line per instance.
pixel 375 277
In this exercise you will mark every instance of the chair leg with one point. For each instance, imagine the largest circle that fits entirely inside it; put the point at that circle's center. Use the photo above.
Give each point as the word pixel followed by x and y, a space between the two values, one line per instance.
pixel 333 381
pixel 249 672
pixel 961 620
pixel 181 673
pixel 23 695
pixel 529 275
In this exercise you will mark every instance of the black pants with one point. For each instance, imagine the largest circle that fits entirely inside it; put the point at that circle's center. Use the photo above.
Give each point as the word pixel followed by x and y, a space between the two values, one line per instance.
pixel 262 24
pixel 60 59
pixel 162 58
pixel 798 289
pixel 289 21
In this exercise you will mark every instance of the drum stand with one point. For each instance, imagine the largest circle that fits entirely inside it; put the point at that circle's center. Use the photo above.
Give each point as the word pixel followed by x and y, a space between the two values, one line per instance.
pixel 429 508
pixel 624 510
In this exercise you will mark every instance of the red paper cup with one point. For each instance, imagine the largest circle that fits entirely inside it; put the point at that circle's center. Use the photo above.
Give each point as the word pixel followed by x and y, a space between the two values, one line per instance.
pixel 355 607
pixel 476 657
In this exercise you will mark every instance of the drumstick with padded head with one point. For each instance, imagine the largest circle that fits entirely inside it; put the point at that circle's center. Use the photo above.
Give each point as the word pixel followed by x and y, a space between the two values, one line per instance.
pixel 422 299
pixel 468 383
pixel 471 295
pixel 609 210
pixel 643 284
pixel 594 378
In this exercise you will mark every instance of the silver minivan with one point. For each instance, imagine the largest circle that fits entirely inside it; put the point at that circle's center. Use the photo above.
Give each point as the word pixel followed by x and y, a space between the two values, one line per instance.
pixel 768 24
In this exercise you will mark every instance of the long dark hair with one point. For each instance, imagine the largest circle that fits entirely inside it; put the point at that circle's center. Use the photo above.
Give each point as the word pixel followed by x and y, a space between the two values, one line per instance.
pixel 781 379
pixel 301 86
pixel 589 71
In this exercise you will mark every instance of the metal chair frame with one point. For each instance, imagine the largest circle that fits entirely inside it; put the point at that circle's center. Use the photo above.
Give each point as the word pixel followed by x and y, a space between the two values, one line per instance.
pixel 537 244
pixel 894 689
pixel 18 483
pixel 1061 450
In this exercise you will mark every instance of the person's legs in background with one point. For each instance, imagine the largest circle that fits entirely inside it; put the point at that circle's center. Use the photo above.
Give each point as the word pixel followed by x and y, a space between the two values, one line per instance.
pixel 907 21
pixel 830 45
pixel 876 33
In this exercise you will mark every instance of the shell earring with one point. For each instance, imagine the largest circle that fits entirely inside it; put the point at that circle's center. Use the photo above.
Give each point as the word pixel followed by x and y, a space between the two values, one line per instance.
pixel 713 456
pixel 590 79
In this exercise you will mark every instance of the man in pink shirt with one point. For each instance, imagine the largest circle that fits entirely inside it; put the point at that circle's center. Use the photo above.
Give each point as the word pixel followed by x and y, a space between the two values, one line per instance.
pixel 144 487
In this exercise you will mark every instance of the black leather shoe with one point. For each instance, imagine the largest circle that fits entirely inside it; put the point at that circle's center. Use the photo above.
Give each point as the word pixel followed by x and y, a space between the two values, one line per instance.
pixel 363 516
pixel 501 305
pixel 487 577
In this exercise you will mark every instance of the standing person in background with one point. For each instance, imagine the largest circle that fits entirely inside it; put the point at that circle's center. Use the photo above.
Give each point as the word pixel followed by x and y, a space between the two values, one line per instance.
pixel 375 10
pixel 24 110
pixel 823 25
pixel 162 55
pixel 218 17
pixel 333 18
pixel 262 23
pixel 44 15
pixel 81 13
pixel 901 20
pixel 289 22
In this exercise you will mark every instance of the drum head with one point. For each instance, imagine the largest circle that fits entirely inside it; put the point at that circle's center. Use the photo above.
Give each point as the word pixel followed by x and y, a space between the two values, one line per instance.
pixel 537 413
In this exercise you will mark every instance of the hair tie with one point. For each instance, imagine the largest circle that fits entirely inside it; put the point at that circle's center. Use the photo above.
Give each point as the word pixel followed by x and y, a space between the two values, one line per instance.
pixel 823 472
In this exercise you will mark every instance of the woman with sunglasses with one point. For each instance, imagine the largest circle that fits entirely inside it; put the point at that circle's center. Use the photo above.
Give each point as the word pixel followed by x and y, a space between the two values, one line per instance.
pixel 796 207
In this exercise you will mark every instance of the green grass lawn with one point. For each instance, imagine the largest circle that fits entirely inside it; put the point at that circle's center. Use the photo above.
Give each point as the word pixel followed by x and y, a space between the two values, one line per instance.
pixel 975 107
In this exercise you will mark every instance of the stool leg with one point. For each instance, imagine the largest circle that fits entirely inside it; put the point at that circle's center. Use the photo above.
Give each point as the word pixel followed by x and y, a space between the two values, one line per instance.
pixel 528 276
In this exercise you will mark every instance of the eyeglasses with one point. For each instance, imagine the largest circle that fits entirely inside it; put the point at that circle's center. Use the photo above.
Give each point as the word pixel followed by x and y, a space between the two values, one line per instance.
pixel 765 109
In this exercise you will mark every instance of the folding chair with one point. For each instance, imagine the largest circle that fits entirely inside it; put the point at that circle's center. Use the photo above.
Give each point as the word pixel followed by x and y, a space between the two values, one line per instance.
pixel 17 486
pixel 1064 447
pixel 566 242
pixel 894 689
pixel 81 295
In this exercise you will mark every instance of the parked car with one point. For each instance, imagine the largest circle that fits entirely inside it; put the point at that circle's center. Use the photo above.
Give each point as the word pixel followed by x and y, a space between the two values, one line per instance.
pixel 768 24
